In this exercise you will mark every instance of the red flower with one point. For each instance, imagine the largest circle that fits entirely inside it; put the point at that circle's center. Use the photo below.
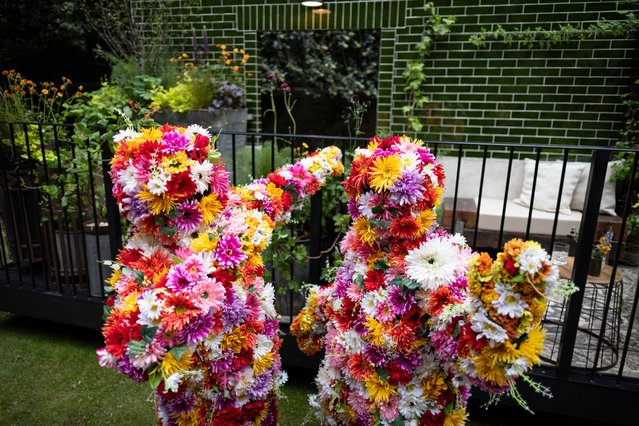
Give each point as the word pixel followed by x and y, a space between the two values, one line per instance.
pixel 276 179
pixel 397 375
pixel 439 299
pixel 374 279
pixel 118 332
pixel 200 148
pixel 181 185
pixel 405 227
pixel 510 267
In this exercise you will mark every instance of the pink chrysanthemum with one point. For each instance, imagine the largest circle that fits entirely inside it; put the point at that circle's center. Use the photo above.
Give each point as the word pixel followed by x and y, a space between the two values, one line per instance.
pixel 209 294
pixel 180 279
pixel 229 252
pixel 174 142
pixel 190 216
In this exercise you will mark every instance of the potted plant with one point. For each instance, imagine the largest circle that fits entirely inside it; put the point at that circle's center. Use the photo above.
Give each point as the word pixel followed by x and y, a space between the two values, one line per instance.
pixel 209 93
pixel 600 249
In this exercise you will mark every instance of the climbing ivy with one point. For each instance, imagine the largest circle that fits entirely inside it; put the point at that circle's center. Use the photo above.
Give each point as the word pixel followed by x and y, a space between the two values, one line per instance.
pixel 414 75
pixel 544 39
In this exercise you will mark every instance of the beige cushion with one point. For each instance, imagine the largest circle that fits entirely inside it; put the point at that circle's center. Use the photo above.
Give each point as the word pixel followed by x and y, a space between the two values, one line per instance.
pixel 517 218
pixel 608 199
pixel 547 187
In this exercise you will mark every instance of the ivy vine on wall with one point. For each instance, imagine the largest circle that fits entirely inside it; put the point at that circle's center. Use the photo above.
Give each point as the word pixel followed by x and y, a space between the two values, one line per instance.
pixel 414 74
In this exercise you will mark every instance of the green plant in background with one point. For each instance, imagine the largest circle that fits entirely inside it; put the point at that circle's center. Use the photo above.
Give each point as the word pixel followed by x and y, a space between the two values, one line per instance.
pixel 542 38
pixel 414 74
pixel 201 84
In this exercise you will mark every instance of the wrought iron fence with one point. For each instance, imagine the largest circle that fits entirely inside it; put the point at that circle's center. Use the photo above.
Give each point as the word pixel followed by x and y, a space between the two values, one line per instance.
pixel 58 221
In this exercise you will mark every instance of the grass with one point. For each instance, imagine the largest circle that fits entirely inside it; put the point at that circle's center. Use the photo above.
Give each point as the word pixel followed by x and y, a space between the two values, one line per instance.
pixel 49 375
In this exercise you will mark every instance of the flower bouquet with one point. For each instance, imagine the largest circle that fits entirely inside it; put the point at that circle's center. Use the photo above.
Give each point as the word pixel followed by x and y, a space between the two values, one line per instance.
pixel 189 311
pixel 414 317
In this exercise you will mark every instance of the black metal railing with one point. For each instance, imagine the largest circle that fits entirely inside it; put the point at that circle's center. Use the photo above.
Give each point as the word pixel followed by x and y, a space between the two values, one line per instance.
pixel 56 198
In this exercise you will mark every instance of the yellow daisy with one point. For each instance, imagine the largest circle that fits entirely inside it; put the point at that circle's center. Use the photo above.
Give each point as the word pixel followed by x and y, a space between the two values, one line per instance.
pixel 158 204
pixel 384 172
pixel 206 241
pixel 363 230
pixel 211 207
pixel 378 390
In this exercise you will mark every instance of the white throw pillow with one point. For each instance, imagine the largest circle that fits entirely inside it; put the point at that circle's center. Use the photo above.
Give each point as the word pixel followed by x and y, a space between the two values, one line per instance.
pixel 608 198
pixel 547 187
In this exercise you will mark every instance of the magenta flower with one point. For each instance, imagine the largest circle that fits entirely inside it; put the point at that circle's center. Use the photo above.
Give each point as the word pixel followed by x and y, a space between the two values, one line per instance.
pixel 179 279
pixel 189 217
pixel 174 142
pixel 229 251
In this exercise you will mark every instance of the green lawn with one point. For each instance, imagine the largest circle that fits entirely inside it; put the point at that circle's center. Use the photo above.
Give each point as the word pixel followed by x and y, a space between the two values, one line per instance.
pixel 49 375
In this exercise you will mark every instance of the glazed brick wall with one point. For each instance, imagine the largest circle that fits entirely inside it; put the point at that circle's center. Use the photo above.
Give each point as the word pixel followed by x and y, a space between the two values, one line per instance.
pixel 569 94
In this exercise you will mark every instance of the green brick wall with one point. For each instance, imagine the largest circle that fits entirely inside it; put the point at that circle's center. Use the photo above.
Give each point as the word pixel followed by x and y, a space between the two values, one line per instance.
pixel 569 94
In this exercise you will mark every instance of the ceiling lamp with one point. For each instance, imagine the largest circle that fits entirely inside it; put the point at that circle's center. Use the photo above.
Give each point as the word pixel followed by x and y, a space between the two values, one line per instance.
pixel 312 3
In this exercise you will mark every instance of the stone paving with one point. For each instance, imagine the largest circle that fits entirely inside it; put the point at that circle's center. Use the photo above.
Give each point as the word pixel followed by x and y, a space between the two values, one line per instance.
pixel 616 328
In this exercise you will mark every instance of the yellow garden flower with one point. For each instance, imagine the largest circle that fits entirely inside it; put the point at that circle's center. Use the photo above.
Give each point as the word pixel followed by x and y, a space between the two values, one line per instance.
pixel 158 204
pixel 456 417
pixel 171 365
pixel 206 241
pixel 384 172
pixel 363 229
pixel 211 207
pixel 262 364
pixel 379 391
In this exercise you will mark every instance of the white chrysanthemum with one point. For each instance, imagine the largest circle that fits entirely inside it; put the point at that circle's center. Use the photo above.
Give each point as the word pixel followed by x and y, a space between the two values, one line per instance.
pixel 411 405
pixel 508 303
pixel 212 344
pixel 531 260
pixel 243 382
pixel 486 328
pixel 125 134
pixel 196 129
pixel 353 342
pixel 263 346
pixel 150 308
pixel 267 296
pixel 363 206
pixel 458 239
pixel 172 383
pixel 370 302
pixel 201 175
pixel 157 183
pixel 517 368
pixel 434 263
pixel 128 180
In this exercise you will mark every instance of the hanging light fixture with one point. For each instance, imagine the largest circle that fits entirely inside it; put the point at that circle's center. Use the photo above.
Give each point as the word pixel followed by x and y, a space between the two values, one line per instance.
pixel 308 3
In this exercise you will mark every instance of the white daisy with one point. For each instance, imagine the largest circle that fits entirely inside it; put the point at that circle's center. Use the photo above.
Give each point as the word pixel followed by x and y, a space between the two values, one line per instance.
pixel 486 328
pixel 531 260
pixel 150 308
pixel 198 130
pixel 517 368
pixel 172 382
pixel 128 180
pixel 509 303
pixel 157 183
pixel 201 175
pixel 363 206
pixel 434 263
pixel 263 346
pixel 125 134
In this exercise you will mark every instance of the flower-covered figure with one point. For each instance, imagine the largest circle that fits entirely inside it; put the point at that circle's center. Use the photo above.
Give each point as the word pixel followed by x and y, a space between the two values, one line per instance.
pixel 190 312
pixel 414 318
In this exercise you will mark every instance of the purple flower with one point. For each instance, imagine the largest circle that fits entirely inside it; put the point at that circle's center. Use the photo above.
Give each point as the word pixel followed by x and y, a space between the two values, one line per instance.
pixel 126 367
pixel 459 286
pixel 197 329
pixel 262 385
pixel 285 87
pixel 234 311
pixel 182 403
pixel 174 142
pixel 375 355
pixel 400 302
pixel 135 209
pixel 190 216
pixel 408 188
pixel 229 251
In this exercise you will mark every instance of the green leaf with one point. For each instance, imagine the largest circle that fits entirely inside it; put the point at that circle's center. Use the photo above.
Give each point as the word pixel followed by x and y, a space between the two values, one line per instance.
pixel 380 264
pixel 359 280
pixel 148 333
pixel 178 351
pixel 519 278
pixel 136 347
pixel 383 374
pixel 155 378
pixel 106 312
pixel 457 330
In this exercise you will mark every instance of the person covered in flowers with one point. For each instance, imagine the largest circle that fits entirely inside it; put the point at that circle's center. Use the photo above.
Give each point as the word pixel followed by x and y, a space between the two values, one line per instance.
pixel 413 317
pixel 189 310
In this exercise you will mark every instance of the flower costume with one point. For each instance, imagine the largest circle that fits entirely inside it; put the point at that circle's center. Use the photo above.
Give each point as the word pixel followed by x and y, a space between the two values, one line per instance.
pixel 414 318
pixel 189 310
